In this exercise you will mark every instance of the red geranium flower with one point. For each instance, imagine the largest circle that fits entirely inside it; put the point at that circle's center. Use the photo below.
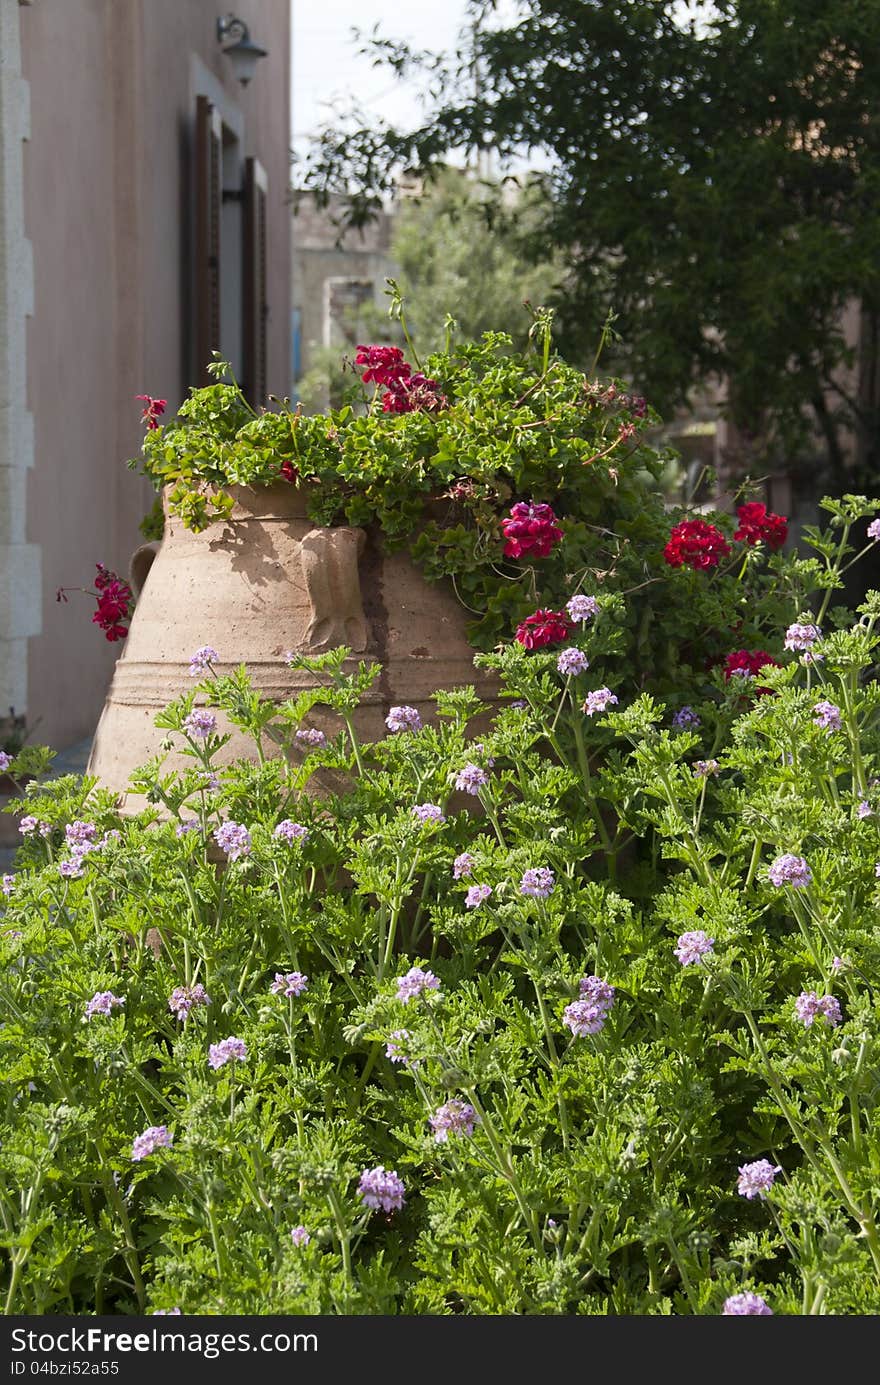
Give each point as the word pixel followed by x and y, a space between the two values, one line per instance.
pixel 114 603
pixel 696 544
pixel 530 531
pixel 543 628
pixel 412 394
pixel 757 525
pixel 405 393
pixel 747 663
pixel 152 409
pixel 385 364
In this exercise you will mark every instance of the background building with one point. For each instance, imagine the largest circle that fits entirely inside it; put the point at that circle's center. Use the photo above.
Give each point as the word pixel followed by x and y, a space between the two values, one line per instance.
pixel 335 275
pixel 144 221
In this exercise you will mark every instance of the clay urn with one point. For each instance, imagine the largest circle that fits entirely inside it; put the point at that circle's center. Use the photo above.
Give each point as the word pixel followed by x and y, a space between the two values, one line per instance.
pixel 265 582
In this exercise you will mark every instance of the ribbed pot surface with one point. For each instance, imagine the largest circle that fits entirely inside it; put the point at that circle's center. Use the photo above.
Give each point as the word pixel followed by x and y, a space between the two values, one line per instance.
pixel 262 583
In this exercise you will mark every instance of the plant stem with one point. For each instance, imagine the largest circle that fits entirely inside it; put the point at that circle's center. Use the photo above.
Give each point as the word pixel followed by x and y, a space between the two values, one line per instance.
pixel 344 1235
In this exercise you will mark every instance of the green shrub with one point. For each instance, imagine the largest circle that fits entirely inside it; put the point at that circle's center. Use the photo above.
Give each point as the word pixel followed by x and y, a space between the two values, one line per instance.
pixel 595 1142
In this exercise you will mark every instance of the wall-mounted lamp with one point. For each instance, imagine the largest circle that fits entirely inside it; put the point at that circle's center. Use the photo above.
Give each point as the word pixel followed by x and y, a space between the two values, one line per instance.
pixel 243 53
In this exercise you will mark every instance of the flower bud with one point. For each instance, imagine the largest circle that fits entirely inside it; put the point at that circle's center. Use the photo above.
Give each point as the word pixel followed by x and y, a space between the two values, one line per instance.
pixel 451 1079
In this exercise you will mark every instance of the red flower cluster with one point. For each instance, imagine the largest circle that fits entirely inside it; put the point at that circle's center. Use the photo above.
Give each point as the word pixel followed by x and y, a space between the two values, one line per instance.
pixel 530 531
pixel 385 364
pixel 415 393
pixel 288 471
pixel 750 663
pixel 152 409
pixel 757 525
pixel 543 628
pixel 404 392
pixel 696 544
pixel 114 604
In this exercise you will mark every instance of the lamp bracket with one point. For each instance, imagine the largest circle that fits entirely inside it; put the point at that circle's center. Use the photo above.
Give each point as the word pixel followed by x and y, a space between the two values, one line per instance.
pixel 230 26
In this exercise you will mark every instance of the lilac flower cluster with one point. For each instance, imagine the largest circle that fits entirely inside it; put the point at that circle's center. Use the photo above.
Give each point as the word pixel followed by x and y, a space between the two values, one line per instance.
pixel 300 1236
pixel 153 1138
pixel 539 882
pixel 745 1305
pixel 827 717
pixel 597 991
pixel 201 661
pixel 588 1014
pixel 186 998
pixel 702 769
pixel 234 839
pixel 392 1046
pixel 464 865
pixel 809 1007
pixel 80 839
pixel 188 825
pixel 685 717
pixel 403 719
pixel 80 836
pixel 290 831
pixel 572 662
pixel 290 983
pixel 103 1003
pixel 802 636
pixel 471 779
pixel 874 529
pixel 598 701
pixel 477 895
pixel 28 825
pixel 311 736
pixel 756 1179
pixel 692 947
pixel 381 1189
pixel 582 609
pixel 8 884
pixel 414 983
pixel 428 812
pixel 200 722
pixel 864 809
pixel 226 1050
pixel 790 870
pixel 5 761
pixel 453 1118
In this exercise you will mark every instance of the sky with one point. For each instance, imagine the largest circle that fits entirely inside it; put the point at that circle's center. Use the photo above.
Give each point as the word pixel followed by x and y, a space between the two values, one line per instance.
pixel 327 68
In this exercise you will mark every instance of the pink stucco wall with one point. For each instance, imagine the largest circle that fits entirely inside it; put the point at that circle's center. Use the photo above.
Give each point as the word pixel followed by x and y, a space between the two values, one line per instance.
pixel 107 208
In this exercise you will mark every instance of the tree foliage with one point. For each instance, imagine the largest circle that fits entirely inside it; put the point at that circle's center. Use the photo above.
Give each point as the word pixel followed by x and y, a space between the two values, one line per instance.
pixel 461 248
pixel 713 171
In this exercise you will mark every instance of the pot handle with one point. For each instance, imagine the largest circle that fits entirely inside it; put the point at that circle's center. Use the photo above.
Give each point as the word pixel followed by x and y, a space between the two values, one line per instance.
pixel 329 559
pixel 142 560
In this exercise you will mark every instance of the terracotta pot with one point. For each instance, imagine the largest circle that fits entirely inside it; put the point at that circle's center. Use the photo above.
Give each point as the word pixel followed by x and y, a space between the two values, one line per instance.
pixel 264 582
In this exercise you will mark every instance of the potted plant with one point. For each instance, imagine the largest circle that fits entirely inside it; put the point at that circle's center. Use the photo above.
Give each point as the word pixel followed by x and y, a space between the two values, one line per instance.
pixel 447 504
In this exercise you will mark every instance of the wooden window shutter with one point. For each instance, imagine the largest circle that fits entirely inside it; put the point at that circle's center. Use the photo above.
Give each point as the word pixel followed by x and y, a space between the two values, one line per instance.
pixel 208 166
pixel 254 306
